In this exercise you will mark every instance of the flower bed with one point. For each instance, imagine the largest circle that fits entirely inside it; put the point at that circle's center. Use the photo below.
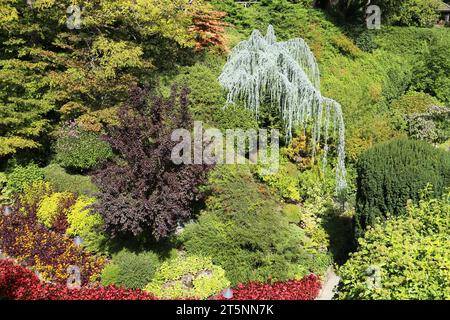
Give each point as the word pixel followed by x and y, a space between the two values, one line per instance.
pixel 20 283
pixel 306 289
pixel 48 252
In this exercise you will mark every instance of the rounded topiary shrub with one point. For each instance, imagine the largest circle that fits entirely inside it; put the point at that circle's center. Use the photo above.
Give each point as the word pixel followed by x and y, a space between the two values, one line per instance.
pixel 62 181
pixel 391 173
pixel 80 150
pixel 131 270
pixel 188 277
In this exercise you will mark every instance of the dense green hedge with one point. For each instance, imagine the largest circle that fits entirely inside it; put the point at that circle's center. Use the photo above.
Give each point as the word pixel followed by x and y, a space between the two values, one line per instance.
pixel 391 173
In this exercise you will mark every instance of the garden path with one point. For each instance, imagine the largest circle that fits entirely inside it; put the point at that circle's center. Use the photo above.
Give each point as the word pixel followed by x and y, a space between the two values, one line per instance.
pixel 328 289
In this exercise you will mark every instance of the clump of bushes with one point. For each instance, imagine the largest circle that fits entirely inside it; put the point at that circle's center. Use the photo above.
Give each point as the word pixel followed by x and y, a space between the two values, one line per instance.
pixel 414 102
pixel 389 174
pixel 404 258
pixel 284 181
pixel 21 176
pixel 131 270
pixel 48 252
pixel 244 231
pixel 80 150
pixel 188 277
pixel 62 181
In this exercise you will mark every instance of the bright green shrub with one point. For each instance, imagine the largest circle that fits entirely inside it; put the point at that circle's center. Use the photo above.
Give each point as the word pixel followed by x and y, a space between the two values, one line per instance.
pixel 86 224
pixel 80 150
pixel 244 232
pixel 413 102
pixel 5 194
pixel 432 74
pixel 22 176
pixel 234 117
pixel 32 195
pixel 110 275
pixel 284 181
pixel 62 181
pixel 389 174
pixel 409 253
pixel 420 13
pixel 131 270
pixel 51 207
pixel 188 277
pixel 292 213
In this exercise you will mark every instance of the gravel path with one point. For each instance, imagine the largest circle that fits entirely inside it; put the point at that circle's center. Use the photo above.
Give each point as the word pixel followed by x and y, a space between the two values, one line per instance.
pixel 329 286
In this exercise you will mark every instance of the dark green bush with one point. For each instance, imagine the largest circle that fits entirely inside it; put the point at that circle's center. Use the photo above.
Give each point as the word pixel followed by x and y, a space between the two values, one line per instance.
pixel 80 150
pixel 244 231
pixel 389 174
pixel 62 181
pixel 131 270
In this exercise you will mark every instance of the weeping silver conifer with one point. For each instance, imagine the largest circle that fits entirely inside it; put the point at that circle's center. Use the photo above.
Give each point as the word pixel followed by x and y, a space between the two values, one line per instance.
pixel 286 75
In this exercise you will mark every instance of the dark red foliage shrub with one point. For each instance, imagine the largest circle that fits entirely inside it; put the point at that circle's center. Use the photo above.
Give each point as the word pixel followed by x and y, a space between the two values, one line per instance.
pixel 142 192
pixel 209 29
pixel 19 283
pixel 60 225
pixel 306 289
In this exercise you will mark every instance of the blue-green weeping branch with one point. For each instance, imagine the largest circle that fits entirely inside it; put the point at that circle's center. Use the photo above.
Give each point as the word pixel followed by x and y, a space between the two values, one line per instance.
pixel 287 73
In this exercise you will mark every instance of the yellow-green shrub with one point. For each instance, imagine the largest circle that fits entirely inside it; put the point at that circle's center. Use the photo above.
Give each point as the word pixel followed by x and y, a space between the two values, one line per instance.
pixel 292 213
pixel 284 181
pixel 192 277
pixel 32 196
pixel 52 206
pixel 84 223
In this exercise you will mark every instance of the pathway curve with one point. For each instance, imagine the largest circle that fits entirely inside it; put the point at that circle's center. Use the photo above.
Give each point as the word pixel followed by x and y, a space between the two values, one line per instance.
pixel 328 289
